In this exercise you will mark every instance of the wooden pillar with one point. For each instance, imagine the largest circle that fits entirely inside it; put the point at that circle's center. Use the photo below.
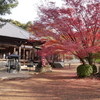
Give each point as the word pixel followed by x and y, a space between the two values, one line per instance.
pixel 14 50
pixel 19 52
pixel 29 54
pixel 24 55
pixel 24 52
pixel 32 53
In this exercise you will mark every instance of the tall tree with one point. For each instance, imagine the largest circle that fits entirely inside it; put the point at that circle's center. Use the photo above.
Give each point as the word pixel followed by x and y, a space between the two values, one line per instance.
pixel 72 29
pixel 5 7
pixel 22 25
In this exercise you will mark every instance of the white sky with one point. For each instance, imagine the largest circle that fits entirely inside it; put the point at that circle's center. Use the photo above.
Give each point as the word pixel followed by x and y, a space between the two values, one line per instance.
pixel 26 10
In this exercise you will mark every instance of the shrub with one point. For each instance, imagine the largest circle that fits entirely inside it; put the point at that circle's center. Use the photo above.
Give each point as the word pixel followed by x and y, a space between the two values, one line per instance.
pixel 84 70
pixel 94 69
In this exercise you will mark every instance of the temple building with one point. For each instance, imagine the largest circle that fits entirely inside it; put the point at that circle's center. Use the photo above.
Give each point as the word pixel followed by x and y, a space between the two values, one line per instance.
pixel 15 40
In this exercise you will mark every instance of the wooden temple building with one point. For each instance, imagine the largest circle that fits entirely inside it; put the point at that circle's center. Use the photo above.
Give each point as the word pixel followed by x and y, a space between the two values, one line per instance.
pixel 15 40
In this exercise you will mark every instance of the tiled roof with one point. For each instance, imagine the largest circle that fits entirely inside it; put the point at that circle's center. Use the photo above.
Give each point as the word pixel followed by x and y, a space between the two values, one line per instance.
pixel 11 30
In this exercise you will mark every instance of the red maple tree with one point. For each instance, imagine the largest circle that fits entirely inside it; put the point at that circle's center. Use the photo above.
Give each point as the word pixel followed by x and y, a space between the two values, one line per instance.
pixel 74 29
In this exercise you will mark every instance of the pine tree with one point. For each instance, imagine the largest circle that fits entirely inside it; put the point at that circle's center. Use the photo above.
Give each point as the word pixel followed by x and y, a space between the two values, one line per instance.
pixel 5 8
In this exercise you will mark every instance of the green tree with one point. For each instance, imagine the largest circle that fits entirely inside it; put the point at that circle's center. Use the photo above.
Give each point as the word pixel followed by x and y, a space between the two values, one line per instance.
pixel 17 23
pixel 5 8
pixel 26 26
pixel 22 25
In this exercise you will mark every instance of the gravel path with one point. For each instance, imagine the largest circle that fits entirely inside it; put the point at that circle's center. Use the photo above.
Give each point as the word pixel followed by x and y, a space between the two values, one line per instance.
pixel 61 84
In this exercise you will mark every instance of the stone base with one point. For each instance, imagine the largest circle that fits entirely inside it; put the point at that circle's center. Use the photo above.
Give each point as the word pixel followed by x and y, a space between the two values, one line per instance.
pixel 12 71
pixel 47 68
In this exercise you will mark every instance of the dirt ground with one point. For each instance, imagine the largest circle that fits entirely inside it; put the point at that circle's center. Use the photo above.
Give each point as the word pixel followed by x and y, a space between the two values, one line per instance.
pixel 61 84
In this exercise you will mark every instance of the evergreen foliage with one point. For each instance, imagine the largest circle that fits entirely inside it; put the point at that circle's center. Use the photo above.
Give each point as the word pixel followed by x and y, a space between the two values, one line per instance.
pixel 22 25
pixel 84 70
pixel 94 69
pixel 5 8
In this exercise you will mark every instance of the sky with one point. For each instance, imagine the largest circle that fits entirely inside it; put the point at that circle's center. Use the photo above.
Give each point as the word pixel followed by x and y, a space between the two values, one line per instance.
pixel 26 10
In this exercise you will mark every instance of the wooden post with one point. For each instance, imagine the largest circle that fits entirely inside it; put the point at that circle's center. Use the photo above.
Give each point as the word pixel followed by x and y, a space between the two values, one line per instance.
pixel 14 50
pixel 20 52
pixel 33 53
pixel 30 55
pixel 24 53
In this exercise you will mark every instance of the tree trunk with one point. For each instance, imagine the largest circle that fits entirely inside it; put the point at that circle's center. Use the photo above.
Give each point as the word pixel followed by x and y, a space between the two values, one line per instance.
pixel 82 60
pixel 90 59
